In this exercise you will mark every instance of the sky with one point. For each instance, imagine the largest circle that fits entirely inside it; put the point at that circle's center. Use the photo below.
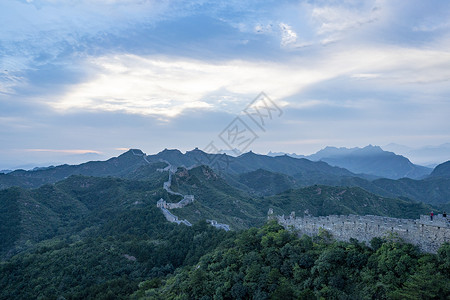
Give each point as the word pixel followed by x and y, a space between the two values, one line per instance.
pixel 88 79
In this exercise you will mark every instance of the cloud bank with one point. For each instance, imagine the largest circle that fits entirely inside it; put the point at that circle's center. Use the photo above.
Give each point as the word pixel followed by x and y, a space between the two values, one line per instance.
pixel 344 72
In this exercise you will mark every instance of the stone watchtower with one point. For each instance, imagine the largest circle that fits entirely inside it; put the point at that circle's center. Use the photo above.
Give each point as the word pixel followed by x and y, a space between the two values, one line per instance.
pixel 161 203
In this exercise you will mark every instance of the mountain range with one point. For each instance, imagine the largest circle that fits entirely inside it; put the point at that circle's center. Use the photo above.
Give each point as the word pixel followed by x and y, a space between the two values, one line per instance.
pixel 307 171
pixel 94 230
pixel 370 160
pixel 79 204
pixel 241 172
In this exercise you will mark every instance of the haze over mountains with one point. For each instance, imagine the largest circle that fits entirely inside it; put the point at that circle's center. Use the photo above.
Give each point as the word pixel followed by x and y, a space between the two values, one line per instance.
pixel 370 160
pixel 277 173
pixel 426 156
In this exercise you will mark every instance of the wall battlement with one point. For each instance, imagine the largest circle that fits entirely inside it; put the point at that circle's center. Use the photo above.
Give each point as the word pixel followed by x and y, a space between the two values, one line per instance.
pixel 426 234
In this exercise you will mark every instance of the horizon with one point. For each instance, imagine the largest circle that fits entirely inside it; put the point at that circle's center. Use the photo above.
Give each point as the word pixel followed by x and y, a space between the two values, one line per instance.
pixel 86 79
pixel 87 156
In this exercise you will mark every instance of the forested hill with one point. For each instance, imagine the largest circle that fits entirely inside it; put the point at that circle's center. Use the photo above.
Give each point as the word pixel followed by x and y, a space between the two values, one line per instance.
pixel 271 263
pixel 216 199
pixel 442 170
pixel 117 166
pixel 250 161
pixel 79 204
pixel 309 172
pixel 433 190
pixel 258 174
pixel 321 200
pixel 71 207
pixel 104 238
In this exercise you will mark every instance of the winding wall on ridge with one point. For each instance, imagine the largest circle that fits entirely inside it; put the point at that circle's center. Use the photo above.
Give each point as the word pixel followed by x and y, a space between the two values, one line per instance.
pixel 426 234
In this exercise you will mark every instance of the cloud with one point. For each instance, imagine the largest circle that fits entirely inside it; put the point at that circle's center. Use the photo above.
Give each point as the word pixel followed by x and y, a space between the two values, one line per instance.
pixel 165 86
pixel 288 36
pixel 332 19
pixel 365 76
pixel 91 73
pixel 65 151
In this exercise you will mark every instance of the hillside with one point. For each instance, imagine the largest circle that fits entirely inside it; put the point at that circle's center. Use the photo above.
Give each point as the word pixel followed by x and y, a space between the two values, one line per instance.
pixel 276 174
pixel 79 203
pixel 104 237
pixel 272 263
pixel 432 190
pixel 127 164
pixel 117 166
pixel 215 199
pixel 108 261
pixel 249 162
pixel 263 182
pixel 442 170
pixel 325 200
pixel 68 207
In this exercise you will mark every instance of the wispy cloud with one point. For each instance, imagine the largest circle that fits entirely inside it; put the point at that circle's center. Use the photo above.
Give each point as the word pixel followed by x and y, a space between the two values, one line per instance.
pixel 167 86
pixel 338 18
pixel 65 151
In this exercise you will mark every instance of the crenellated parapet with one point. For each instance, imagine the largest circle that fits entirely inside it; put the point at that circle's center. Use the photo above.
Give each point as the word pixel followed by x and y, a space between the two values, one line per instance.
pixel 427 234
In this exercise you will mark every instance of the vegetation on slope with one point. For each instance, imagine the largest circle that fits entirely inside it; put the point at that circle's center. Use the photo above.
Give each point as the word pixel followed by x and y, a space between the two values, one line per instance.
pixel 104 238
pixel 215 199
pixel 109 262
pixel 325 200
pixel 442 170
pixel 74 205
pixel 119 166
pixel 271 263
pixel 263 182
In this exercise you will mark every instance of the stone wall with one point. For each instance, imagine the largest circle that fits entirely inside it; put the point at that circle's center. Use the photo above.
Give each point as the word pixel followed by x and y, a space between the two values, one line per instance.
pixel 214 223
pixel 174 219
pixel 187 199
pixel 426 234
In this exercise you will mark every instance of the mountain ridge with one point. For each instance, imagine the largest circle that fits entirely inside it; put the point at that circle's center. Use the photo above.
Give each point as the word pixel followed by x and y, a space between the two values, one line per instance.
pixel 372 160
pixel 132 159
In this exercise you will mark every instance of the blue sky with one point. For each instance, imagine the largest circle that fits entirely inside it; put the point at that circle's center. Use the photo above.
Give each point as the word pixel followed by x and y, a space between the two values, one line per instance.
pixel 100 76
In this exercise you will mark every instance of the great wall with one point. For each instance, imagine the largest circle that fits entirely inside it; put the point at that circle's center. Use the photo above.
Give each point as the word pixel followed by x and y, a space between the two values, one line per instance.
pixel 186 199
pixel 427 234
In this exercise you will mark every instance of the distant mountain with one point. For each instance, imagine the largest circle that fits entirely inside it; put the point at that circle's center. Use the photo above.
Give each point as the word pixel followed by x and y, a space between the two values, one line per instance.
pixel 303 170
pixel 116 166
pixel 433 190
pixel 442 170
pixel 32 159
pixel 284 153
pixel 370 160
pixel 426 155
pixel 250 161
pixel 249 172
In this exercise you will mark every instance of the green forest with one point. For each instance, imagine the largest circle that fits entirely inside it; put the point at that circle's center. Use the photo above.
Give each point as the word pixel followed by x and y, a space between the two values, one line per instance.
pixel 104 238
pixel 143 259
